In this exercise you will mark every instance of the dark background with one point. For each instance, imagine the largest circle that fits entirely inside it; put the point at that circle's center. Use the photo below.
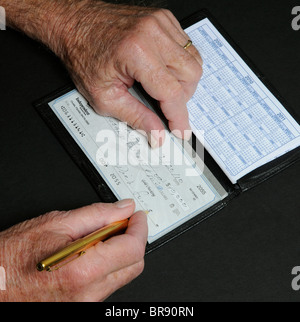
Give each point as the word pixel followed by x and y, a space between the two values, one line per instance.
pixel 247 251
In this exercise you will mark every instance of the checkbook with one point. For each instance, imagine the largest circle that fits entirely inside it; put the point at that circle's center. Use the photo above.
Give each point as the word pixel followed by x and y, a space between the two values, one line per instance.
pixel 243 133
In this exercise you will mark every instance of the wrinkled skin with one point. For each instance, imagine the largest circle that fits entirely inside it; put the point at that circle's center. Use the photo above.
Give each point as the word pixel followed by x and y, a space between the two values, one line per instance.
pixel 93 277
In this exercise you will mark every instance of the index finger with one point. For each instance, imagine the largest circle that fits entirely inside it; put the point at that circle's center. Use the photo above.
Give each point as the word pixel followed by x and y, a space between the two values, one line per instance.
pixel 129 248
pixel 161 84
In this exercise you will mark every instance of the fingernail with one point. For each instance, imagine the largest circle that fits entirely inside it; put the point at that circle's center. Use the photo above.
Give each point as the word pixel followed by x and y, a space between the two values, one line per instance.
pixel 124 203
pixel 187 134
pixel 156 138
pixel 152 141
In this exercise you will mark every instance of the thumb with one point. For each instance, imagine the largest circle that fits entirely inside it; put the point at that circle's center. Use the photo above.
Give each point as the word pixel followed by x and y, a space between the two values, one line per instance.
pixel 83 221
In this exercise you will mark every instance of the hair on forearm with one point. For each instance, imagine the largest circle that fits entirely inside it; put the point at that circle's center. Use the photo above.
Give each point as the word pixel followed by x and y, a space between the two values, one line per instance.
pixel 142 3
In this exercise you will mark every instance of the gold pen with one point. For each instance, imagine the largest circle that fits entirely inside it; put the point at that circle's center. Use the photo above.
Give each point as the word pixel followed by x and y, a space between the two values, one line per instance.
pixel 78 247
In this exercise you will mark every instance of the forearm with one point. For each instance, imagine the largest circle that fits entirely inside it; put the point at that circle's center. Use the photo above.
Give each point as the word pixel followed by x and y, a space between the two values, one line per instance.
pixel 43 20
pixel 60 24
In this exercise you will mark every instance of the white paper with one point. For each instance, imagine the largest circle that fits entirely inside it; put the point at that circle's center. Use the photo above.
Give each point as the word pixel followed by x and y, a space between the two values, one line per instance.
pixel 166 181
pixel 245 125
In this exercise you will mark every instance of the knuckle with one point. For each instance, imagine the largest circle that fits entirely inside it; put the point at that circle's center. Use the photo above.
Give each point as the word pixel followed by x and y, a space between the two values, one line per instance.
pixel 168 13
pixel 136 123
pixel 139 268
pixel 129 40
pixel 134 45
pixel 138 250
pixel 149 22
pixel 136 119
pixel 74 278
pixel 173 90
pixel 197 72
pixel 101 100
pixel 200 58
pixel 163 13
pixel 101 207
pixel 193 70
pixel 197 55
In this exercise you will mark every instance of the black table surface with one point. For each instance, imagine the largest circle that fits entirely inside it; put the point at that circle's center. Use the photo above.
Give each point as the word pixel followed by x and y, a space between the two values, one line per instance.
pixel 244 253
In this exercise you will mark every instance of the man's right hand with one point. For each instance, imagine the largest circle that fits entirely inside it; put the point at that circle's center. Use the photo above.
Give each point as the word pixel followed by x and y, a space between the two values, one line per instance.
pixel 104 268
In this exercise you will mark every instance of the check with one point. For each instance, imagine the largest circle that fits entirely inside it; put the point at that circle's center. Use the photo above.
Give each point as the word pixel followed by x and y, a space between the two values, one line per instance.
pixel 166 182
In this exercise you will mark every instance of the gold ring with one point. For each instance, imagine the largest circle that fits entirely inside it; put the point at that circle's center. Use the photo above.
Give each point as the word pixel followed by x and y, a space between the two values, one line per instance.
pixel 189 44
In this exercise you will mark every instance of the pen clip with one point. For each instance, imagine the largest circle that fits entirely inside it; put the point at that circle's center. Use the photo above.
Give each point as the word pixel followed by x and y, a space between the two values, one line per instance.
pixel 57 267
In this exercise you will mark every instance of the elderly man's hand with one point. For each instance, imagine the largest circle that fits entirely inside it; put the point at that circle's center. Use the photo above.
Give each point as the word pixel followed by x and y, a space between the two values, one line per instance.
pixel 107 47
pixel 93 277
